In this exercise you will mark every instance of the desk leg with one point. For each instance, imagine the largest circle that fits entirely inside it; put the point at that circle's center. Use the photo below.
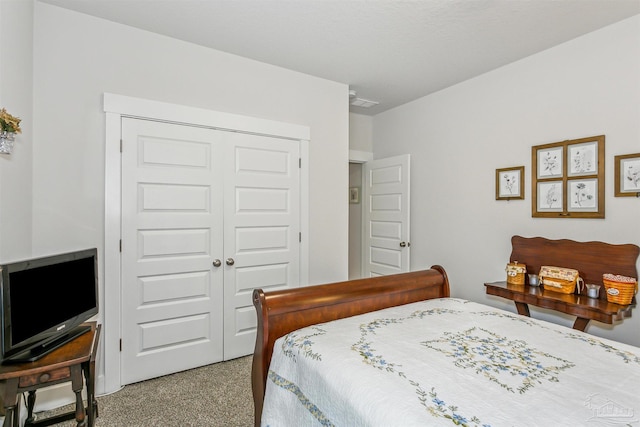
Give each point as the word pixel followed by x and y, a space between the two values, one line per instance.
pixel 581 323
pixel 10 403
pixel 89 369
pixel 77 385
pixel 31 402
pixel 523 308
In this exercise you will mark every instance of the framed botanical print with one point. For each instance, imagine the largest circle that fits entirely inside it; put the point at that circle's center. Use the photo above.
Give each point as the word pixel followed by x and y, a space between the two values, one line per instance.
pixel 549 197
pixel 568 179
pixel 549 162
pixel 627 175
pixel 582 159
pixel 582 195
pixel 510 183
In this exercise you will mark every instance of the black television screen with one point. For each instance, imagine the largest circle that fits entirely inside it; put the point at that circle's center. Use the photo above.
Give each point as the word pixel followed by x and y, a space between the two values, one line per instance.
pixel 44 301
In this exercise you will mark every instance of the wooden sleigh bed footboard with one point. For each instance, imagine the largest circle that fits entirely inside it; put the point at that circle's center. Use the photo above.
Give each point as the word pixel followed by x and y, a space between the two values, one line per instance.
pixel 284 311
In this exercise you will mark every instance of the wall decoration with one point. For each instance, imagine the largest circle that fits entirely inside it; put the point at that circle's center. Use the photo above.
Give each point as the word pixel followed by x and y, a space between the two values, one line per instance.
pixel 583 159
pixel 510 183
pixel 627 175
pixel 549 197
pixel 583 195
pixel 550 163
pixel 354 195
pixel 568 179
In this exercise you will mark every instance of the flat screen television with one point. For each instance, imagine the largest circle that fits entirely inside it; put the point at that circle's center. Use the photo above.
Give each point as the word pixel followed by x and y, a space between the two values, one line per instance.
pixel 45 301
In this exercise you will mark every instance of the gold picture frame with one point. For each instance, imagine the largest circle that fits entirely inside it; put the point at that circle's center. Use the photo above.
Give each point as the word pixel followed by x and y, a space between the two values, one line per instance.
pixel 510 183
pixel 627 175
pixel 567 179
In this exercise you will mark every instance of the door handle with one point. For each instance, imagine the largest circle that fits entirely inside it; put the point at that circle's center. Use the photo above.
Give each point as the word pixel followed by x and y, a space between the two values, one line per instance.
pixel 217 263
pixel 403 244
pixel 230 261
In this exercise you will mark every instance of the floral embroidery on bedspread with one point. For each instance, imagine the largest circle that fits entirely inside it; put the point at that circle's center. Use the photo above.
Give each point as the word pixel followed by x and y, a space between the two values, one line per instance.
pixel 302 342
pixel 513 364
pixel 293 388
pixel 626 356
pixel 499 359
pixel 435 406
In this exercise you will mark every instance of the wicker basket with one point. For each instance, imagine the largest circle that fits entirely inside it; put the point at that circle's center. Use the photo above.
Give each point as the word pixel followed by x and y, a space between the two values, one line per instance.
pixel 620 289
pixel 557 285
pixel 516 273
pixel 560 279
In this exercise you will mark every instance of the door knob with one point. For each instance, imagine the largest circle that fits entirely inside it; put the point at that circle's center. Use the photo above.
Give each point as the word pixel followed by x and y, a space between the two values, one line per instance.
pixel 230 261
pixel 217 263
pixel 403 244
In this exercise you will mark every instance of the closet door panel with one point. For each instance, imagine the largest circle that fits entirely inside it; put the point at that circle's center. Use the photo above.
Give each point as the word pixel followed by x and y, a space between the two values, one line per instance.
pixel 262 226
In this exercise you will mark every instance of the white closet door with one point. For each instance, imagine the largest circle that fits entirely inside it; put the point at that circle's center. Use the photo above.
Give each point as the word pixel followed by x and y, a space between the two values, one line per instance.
pixel 386 236
pixel 172 228
pixel 262 226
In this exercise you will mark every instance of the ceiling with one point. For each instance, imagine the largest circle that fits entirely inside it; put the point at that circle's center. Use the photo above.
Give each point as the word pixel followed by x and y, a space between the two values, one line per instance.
pixel 388 51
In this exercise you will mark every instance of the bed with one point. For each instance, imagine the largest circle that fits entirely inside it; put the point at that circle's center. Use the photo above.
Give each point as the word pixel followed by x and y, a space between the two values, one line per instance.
pixel 398 350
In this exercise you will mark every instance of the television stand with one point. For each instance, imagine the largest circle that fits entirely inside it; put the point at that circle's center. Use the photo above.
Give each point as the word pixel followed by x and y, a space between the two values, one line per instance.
pixel 42 350
pixel 67 363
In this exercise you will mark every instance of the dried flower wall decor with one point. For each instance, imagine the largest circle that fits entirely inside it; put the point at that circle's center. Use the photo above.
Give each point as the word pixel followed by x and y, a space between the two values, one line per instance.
pixel 567 179
pixel 9 126
pixel 9 123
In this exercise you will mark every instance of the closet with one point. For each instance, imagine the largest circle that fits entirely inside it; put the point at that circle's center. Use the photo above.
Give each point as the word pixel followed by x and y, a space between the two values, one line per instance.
pixel 207 215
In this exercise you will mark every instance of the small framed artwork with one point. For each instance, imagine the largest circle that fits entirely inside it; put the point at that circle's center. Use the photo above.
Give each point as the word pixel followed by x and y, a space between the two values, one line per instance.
pixel 568 181
pixel 549 162
pixel 354 195
pixel 583 158
pixel 549 196
pixel 510 183
pixel 627 179
pixel 583 195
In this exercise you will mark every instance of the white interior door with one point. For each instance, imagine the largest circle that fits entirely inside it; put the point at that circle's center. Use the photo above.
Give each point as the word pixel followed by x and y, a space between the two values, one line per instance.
pixel 192 197
pixel 386 234
pixel 262 226
pixel 172 231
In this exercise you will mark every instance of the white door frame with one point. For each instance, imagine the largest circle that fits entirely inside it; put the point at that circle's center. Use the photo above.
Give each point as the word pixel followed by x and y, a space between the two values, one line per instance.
pixel 118 106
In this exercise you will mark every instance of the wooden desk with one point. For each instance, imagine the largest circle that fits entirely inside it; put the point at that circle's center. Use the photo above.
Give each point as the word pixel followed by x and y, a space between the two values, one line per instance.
pixel 64 364
pixel 581 306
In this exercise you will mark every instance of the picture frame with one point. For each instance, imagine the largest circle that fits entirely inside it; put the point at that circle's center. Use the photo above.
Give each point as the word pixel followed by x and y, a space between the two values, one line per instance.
pixel 627 175
pixel 582 195
pixel 354 195
pixel 582 158
pixel 510 183
pixel 550 197
pixel 549 162
pixel 568 179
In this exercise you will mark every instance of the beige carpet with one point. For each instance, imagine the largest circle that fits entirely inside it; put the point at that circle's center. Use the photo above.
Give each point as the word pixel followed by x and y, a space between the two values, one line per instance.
pixel 213 395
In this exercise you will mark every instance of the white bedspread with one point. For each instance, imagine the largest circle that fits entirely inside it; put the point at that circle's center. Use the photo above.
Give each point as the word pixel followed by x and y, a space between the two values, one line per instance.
pixel 446 362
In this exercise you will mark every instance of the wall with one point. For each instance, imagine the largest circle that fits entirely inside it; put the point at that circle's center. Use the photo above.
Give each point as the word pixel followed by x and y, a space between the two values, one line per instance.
pixel 355 224
pixel 459 136
pixel 360 132
pixel 16 79
pixel 361 149
pixel 77 58
pixel 71 74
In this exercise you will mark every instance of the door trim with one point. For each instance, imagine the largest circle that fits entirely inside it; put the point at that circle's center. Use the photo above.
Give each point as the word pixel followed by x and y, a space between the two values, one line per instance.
pixel 118 106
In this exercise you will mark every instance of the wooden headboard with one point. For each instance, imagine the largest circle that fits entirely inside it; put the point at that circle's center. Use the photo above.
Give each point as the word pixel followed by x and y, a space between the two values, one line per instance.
pixel 284 311
pixel 591 259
